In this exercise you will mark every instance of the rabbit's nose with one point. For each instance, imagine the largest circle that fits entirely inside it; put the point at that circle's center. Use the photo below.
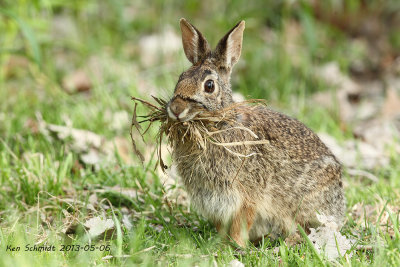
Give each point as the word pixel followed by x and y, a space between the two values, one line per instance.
pixel 178 108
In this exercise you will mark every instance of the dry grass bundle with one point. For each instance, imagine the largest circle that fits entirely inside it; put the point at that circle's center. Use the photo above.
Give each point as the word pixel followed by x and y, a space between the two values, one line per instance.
pixel 201 130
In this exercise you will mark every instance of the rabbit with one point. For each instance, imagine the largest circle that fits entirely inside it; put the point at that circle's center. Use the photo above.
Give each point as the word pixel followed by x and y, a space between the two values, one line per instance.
pixel 287 181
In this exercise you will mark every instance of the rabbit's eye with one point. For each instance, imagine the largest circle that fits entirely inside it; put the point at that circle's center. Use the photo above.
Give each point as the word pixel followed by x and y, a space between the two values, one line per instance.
pixel 209 86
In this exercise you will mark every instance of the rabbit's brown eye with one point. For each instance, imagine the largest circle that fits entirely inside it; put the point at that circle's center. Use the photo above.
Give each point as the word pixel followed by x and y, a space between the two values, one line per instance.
pixel 209 86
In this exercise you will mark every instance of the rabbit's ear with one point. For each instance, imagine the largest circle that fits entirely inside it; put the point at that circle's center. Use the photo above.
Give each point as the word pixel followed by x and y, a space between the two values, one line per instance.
pixel 194 43
pixel 230 46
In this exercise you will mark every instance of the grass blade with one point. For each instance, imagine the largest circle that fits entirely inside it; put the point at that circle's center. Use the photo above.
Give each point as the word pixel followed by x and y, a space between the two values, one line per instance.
pixel 28 34
pixel 310 244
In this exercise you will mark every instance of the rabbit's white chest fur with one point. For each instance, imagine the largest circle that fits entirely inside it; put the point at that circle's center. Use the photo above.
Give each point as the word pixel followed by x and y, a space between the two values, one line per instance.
pixel 214 205
pixel 209 181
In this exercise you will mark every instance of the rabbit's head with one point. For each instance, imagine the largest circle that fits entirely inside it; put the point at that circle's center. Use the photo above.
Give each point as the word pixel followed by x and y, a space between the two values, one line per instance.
pixel 206 84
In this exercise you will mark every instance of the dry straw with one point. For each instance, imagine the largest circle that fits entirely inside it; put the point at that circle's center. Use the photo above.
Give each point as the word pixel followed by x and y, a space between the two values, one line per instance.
pixel 205 129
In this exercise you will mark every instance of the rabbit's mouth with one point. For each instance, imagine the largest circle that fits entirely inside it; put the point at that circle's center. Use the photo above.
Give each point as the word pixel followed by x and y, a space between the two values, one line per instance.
pixel 183 109
pixel 183 116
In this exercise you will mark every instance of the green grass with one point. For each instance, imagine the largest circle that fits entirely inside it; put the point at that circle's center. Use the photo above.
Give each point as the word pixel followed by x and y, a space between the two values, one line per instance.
pixel 43 183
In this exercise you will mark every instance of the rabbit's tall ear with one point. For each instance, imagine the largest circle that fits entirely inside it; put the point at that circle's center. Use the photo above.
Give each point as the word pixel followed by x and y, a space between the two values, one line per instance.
pixel 194 43
pixel 230 46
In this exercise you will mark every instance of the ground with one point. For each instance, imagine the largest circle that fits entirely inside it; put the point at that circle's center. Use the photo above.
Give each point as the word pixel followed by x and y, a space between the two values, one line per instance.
pixel 68 174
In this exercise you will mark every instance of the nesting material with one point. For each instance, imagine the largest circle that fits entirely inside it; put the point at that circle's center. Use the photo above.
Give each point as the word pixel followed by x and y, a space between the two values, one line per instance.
pixel 205 129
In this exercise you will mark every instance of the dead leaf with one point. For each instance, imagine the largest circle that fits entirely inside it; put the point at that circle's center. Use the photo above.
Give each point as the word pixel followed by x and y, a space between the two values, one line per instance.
pixel 356 153
pixel 127 222
pixel 93 199
pixel 380 133
pixel 355 100
pixel 92 148
pixel 91 158
pixel 119 120
pixel 235 263
pixel 82 140
pixel 87 144
pixel 77 81
pixel 391 106
pixel 30 124
pixel 328 239
pixel 157 227
pixel 346 88
pixel 155 45
pixel 98 226
pixel 15 64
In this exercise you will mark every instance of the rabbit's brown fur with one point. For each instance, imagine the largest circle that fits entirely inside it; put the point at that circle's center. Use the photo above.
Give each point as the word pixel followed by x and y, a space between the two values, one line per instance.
pixel 282 182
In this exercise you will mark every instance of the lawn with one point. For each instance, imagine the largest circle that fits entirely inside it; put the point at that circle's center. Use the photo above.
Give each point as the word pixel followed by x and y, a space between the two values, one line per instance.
pixel 70 183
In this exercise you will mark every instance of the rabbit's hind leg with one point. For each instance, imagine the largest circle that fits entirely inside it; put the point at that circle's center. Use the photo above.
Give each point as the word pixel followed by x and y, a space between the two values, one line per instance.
pixel 241 224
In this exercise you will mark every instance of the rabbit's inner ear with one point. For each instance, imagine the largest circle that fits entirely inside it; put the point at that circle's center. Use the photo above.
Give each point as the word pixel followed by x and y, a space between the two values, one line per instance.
pixel 230 46
pixel 194 43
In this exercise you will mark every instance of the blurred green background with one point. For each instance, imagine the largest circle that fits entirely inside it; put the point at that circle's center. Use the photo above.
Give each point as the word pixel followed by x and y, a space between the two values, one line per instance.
pixel 333 64
pixel 127 47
